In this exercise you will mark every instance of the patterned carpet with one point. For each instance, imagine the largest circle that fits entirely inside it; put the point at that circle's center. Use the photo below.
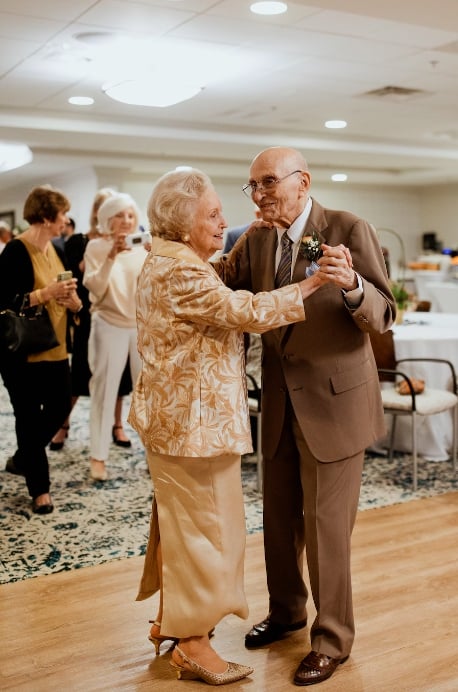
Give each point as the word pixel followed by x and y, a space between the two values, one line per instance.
pixel 97 522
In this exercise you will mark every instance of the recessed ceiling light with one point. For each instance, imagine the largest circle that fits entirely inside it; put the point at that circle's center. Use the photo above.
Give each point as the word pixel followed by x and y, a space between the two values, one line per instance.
pixel 156 94
pixel 269 7
pixel 336 124
pixel 81 100
pixel 339 177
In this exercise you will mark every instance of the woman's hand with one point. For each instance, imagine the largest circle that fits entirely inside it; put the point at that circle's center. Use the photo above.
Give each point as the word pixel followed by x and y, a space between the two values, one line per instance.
pixel 119 245
pixel 65 294
pixel 312 283
pixel 258 223
pixel 72 302
pixel 57 290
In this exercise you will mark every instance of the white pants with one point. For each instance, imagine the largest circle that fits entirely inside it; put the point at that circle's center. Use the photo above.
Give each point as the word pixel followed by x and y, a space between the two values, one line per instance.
pixel 108 350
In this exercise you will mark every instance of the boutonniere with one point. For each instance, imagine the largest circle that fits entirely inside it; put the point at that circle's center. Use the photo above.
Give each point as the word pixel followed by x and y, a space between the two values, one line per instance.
pixel 310 247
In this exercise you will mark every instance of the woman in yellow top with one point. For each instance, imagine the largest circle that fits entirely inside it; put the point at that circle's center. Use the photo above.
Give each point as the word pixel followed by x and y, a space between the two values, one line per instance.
pixel 38 384
pixel 190 408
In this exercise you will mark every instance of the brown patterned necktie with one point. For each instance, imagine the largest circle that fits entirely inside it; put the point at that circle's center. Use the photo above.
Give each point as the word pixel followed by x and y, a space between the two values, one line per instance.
pixel 283 275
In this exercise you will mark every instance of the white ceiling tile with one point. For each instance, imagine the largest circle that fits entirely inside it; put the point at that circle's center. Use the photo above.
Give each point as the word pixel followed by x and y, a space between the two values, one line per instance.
pixel 441 15
pixel 47 9
pixel 135 17
pixel 16 26
pixel 13 52
pixel 186 5
pixel 343 23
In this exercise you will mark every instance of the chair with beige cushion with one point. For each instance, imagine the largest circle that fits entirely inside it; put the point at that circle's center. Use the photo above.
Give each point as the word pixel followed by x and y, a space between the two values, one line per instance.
pixel 427 403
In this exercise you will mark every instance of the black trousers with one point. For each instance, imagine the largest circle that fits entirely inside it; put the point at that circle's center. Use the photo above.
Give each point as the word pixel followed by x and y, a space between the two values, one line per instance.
pixel 40 394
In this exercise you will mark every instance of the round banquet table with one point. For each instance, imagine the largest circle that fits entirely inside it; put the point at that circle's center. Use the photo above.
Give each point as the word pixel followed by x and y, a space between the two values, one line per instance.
pixel 427 335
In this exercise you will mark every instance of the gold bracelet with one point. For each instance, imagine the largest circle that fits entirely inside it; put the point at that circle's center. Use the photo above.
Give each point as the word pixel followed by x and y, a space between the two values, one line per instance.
pixel 39 296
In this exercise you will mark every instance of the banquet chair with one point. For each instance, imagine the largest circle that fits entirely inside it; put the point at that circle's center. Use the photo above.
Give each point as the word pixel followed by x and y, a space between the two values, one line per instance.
pixel 254 406
pixel 430 402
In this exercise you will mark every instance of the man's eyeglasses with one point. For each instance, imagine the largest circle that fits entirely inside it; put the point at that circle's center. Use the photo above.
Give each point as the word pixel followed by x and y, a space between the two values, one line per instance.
pixel 267 183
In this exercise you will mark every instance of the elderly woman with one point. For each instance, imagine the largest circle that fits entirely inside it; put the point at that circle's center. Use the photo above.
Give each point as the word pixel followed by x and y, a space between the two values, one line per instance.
pixel 190 408
pixel 38 384
pixel 74 250
pixel 111 269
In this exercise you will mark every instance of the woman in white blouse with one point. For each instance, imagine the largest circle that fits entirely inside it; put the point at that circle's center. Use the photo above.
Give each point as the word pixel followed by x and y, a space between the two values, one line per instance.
pixel 111 271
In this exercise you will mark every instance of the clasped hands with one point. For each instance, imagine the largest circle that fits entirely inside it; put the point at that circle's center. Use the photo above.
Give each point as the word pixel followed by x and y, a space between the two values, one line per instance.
pixel 336 265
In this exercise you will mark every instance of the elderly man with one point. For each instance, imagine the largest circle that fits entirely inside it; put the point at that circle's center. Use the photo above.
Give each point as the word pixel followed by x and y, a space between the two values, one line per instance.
pixel 321 403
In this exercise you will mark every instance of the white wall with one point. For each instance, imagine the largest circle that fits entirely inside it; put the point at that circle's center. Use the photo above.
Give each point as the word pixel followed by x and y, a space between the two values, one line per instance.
pixel 408 211
pixel 439 213
pixel 80 187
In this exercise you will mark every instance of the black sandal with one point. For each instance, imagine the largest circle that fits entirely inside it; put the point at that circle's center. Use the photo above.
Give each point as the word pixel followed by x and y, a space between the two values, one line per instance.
pixel 56 446
pixel 116 440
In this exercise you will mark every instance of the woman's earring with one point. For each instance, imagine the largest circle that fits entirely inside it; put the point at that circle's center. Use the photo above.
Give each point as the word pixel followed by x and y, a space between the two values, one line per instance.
pixel 186 238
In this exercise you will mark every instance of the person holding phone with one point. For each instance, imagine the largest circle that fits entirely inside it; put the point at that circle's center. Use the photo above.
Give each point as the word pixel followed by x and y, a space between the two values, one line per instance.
pixel 110 275
pixel 38 385
pixel 74 250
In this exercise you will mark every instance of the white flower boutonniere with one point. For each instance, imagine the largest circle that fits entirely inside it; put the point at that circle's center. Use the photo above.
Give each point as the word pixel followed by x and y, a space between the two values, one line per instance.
pixel 310 247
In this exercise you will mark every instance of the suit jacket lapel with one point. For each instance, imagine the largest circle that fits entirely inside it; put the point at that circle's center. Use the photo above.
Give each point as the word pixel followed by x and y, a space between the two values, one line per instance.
pixel 316 224
pixel 265 256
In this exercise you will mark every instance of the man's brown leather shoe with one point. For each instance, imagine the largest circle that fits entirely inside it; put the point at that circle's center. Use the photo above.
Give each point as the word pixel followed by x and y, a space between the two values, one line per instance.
pixel 266 632
pixel 315 668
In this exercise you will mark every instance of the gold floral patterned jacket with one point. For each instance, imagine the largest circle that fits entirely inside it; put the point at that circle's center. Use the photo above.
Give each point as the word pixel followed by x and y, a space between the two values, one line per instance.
pixel 190 398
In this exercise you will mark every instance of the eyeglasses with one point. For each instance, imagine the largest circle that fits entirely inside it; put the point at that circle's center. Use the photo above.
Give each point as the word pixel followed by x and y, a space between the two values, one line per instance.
pixel 267 183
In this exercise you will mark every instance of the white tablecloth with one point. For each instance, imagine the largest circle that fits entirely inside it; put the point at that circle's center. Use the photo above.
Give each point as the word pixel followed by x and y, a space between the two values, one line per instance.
pixel 422 279
pixel 445 295
pixel 427 335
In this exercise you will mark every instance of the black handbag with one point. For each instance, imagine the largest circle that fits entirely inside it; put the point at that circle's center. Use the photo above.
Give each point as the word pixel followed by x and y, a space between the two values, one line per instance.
pixel 27 331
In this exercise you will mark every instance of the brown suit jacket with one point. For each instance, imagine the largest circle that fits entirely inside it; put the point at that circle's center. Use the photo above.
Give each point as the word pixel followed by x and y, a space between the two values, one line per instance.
pixel 325 364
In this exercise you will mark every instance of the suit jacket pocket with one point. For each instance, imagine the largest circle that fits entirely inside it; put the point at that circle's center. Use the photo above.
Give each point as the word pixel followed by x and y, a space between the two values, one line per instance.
pixel 352 378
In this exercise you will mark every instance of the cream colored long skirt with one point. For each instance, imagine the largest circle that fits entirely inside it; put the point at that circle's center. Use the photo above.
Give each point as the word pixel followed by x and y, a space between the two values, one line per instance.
pixel 198 515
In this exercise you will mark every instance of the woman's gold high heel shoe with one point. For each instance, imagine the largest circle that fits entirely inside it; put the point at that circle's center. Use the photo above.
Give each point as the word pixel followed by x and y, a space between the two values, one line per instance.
pixel 157 640
pixel 233 672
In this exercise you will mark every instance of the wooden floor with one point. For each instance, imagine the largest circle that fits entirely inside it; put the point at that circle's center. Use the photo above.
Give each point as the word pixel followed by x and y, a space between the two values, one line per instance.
pixel 83 630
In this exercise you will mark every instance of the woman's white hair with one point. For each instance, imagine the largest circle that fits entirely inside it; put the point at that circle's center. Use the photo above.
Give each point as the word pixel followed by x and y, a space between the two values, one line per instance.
pixel 119 201
pixel 173 203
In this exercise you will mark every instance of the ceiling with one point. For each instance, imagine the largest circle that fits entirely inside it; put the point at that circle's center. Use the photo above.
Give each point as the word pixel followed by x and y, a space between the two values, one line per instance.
pixel 291 72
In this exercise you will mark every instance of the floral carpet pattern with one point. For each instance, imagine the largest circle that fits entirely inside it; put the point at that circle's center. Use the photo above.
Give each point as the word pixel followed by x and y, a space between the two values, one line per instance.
pixel 95 522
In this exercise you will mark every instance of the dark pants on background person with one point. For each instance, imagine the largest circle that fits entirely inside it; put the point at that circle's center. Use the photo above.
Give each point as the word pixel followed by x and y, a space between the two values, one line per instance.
pixel 40 394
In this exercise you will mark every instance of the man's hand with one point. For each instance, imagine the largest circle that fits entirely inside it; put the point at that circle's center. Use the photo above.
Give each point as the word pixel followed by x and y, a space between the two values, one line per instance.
pixel 337 265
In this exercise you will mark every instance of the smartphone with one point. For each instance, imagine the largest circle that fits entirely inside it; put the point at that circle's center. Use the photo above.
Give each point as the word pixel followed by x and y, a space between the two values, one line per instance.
pixel 138 239
pixel 65 276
